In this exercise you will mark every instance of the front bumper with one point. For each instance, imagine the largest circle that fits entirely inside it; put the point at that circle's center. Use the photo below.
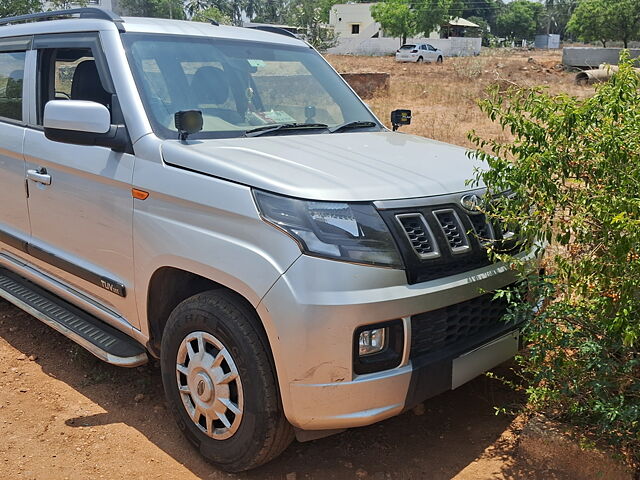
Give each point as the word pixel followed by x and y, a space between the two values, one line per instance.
pixel 310 315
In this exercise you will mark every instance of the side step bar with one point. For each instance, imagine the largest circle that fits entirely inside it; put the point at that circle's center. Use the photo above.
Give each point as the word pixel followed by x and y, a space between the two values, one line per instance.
pixel 102 340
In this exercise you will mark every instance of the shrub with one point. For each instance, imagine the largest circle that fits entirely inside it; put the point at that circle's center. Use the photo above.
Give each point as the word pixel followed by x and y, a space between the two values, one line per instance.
pixel 467 68
pixel 574 170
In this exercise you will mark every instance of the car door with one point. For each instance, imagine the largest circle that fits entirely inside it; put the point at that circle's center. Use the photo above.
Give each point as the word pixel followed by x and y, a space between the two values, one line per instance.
pixel 432 54
pixel 423 52
pixel 80 202
pixel 14 217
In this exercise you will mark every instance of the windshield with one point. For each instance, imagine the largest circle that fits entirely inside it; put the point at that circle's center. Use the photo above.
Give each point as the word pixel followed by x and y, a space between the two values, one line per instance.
pixel 237 85
pixel 407 47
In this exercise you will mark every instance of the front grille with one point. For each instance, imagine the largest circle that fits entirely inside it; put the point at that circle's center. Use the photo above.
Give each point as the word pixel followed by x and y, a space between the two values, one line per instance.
pixel 451 329
pixel 441 238
pixel 419 235
pixel 482 228
pixel 452 229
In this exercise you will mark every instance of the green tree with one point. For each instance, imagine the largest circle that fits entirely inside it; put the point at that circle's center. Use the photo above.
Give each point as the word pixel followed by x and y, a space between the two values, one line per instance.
pixel 311 15
pixel 192 7
pixel 11 8
pixel 573 170
pixel 602 20
pixel 396 17
pixel 481 9
pixel 589 22
pixel 231 8
pixel 431 14
pixel 484 31
pixel 211 13
pixel 67 4
pixel 625 19
pixel 519 20
pixel 154 8
pixel 557 15
pixel 169 9
pixel 271 11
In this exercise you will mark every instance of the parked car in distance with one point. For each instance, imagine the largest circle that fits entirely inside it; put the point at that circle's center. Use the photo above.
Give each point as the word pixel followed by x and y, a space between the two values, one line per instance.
pixel 422 52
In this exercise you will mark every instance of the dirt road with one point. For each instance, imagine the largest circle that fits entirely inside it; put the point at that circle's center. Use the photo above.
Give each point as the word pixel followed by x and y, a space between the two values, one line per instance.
pixel 66 415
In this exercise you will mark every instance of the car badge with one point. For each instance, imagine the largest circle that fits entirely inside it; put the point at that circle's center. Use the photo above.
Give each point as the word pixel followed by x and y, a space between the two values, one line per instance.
pixel 471 202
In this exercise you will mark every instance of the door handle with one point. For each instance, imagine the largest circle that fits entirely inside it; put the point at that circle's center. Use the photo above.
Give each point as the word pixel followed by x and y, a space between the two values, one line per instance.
pixel 40 175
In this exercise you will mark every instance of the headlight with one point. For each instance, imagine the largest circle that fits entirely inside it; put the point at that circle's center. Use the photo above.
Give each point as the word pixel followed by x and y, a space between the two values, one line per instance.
pixel 351 232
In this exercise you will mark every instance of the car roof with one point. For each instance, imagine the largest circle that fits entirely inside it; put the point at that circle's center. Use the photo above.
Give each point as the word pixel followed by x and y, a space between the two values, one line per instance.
pixel 146 25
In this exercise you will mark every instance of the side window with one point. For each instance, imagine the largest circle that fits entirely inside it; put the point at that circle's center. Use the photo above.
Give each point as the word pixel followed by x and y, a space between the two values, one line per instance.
pixel 11 76
pixel 423 47
pixel 69 74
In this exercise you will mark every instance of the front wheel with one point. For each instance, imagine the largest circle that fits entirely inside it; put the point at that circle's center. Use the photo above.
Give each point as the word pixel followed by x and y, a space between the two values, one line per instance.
pixel 439 60
pixel 220 384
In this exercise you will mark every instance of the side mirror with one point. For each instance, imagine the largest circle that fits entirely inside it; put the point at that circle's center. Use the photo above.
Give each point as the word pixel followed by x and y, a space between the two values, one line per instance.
pixel 81 122
pixel 400 118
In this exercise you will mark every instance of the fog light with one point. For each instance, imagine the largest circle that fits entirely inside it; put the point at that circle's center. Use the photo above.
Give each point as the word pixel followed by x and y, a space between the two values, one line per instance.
pixel 372 341
pixel 378 346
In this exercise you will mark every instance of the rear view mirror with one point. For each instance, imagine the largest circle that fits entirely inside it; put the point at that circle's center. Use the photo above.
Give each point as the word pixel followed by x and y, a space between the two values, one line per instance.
pixel 400 118
pixel 81 122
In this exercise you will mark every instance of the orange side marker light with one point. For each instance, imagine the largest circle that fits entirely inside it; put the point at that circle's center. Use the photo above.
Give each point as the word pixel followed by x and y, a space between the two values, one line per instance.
pixel 139 194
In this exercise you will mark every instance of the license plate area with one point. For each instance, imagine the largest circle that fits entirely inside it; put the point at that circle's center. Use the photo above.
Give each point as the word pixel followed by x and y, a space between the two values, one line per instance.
pixel 468 366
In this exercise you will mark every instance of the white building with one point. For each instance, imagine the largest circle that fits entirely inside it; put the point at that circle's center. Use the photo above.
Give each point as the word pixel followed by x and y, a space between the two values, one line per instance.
pixel 353 19
pixel 359 34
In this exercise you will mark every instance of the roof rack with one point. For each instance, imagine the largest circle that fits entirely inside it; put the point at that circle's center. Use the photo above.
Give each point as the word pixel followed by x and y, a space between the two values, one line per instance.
pixel 86 12
pixel 274 29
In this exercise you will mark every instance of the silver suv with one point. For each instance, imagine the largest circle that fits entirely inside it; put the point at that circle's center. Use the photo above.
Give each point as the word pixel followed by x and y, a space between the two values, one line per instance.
pixel 220 199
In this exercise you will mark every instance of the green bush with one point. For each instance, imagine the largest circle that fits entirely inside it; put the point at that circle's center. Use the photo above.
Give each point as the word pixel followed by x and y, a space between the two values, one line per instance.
pixel 574 169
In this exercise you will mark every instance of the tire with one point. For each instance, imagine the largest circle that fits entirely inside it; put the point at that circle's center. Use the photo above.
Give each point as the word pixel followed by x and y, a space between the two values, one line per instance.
pixel 225 340
pixel 420 60
pixel 439 60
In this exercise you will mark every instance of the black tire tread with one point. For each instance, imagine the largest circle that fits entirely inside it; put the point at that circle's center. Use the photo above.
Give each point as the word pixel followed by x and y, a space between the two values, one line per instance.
pixel 279 432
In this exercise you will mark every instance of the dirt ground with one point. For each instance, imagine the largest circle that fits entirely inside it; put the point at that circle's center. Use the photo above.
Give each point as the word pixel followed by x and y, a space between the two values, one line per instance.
pixel 444 97
pixel 66 415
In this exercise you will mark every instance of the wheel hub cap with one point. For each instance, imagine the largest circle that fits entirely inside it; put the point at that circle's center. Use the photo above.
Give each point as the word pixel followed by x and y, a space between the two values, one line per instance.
pixel 209 385
pixel 205 388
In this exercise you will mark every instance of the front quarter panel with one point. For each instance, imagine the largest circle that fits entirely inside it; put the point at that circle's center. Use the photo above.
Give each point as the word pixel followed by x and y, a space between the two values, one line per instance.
pixel 204 225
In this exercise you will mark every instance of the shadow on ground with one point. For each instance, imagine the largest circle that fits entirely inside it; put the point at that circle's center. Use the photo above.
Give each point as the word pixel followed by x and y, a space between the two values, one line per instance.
pixel 455 429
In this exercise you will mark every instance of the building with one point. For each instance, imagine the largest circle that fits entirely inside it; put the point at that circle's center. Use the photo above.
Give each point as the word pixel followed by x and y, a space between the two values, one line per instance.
pixel 359 34
pixel 353 19
pixel 549 40
pixel 460 27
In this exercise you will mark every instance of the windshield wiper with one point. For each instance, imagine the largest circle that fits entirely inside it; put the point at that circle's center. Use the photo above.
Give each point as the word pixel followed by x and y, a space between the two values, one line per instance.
pixel 350 125
pixel 256 132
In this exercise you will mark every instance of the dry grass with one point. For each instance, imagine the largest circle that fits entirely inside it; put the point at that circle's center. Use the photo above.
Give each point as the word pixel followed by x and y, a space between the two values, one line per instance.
pixel 444 97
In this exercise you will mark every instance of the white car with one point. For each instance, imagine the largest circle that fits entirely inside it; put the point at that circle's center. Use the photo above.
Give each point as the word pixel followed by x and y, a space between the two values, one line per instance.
pixel 422 52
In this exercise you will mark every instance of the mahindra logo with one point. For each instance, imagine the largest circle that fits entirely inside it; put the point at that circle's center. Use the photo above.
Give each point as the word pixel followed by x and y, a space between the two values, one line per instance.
pixel 471 202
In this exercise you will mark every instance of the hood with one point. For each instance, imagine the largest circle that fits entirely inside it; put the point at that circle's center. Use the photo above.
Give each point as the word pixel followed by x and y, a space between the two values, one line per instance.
pixel 356 166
